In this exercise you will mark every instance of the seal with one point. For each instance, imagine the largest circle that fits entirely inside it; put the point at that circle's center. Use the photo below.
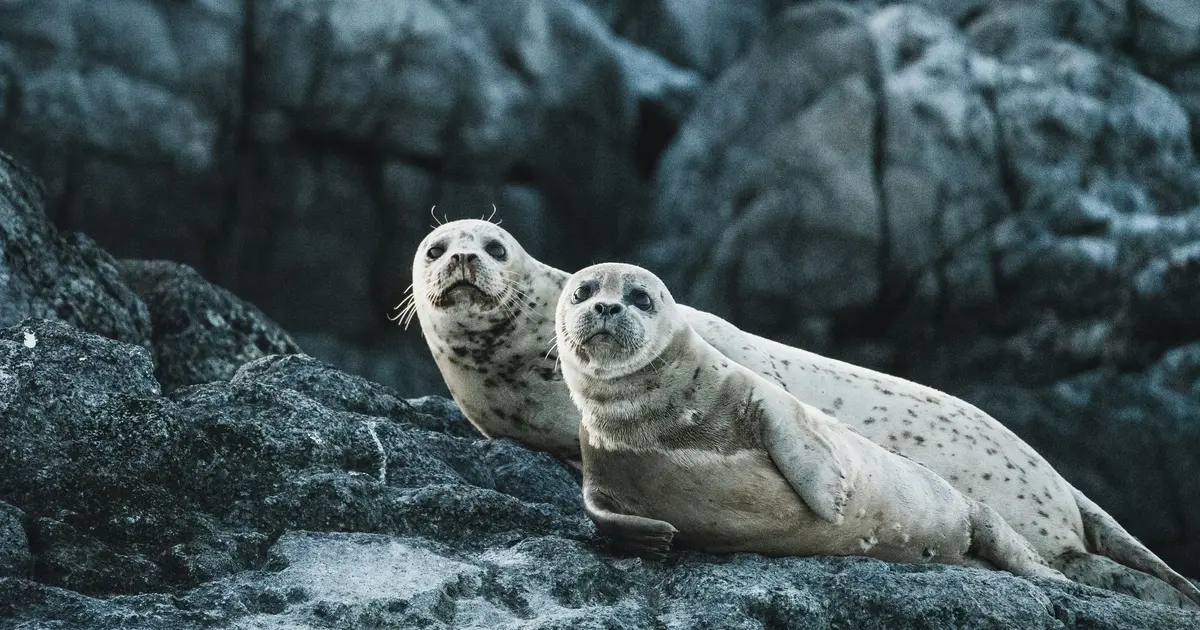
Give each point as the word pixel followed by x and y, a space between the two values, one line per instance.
pixel 962 444
pixel 482 303
pixel 680 443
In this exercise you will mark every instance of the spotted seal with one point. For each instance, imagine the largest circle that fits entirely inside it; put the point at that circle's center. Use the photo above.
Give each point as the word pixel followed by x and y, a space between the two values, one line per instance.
pixel 680 443
pixel 967 447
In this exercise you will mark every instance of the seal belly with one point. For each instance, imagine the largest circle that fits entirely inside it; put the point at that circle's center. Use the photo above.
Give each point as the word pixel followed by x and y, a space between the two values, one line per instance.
pixel 718 501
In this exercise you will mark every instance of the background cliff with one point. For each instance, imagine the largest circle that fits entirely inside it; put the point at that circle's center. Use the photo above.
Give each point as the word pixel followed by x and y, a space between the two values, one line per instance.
pixel 1001 199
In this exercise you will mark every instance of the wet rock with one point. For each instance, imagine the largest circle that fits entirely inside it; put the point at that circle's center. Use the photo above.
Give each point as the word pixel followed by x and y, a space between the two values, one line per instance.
pixel 200 332
pixel 298 495
pixel 318 580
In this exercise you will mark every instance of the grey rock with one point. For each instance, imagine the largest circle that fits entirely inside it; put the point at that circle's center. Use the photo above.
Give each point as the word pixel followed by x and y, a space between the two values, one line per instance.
pixel 131 491
pixel 767 151
pixel 200 332
pixel 15 559
pixel 43 274
pixel 1178 371
pixel 125 109
pixel 704 36
pixel 1016 192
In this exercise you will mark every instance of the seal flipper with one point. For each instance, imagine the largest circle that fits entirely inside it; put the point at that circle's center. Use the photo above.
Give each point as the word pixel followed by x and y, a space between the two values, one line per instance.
pixel 994 540
pixel 808 458
pixel 633 534
pixel 1107 538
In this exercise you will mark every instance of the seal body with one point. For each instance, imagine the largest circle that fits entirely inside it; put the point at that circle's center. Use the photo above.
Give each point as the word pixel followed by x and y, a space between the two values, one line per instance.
pixel 485 309
pixel 963 445
pixel 674 432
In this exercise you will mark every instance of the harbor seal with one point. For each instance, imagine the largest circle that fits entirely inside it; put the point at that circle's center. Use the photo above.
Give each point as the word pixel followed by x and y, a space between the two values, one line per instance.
pixel 680 443
pixel 962 444
pixel 481 302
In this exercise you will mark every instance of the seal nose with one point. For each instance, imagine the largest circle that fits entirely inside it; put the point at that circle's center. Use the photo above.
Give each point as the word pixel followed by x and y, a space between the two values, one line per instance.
pixel 606 309
pixel 464 258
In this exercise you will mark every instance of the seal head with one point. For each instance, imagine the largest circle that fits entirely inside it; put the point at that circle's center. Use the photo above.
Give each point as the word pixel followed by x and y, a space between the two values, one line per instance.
pixel 469 268
pixel 614 319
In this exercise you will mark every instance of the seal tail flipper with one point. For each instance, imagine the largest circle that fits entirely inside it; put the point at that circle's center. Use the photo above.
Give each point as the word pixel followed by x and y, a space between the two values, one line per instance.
pixel 1106 537
pixel 1104 572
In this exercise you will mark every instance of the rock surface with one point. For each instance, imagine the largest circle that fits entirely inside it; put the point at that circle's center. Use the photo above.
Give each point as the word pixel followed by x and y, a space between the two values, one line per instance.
pixel 200 332
pixel 43 274
pixel 15 560
pixel 299 496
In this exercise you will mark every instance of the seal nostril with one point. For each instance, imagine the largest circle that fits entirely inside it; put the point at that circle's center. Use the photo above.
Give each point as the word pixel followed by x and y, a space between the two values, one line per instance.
pixel 607 309
pixel 472 257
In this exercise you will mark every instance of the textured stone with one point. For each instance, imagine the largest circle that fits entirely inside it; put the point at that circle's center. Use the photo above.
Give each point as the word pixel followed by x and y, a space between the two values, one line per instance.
pixel 200 332
pixel 769 150
pixel 15 559
pixel 43 274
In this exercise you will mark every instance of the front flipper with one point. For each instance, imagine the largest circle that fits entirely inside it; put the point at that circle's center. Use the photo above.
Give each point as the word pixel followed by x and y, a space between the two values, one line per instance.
pixel 632 534
pixel 804 450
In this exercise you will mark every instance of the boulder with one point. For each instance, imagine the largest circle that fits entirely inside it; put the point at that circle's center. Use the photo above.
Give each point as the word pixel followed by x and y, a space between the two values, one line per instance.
pixel 44 274
pixel 200 332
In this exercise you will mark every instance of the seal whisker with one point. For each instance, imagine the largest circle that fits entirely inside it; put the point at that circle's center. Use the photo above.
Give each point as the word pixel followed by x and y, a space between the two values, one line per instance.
pixel 435 219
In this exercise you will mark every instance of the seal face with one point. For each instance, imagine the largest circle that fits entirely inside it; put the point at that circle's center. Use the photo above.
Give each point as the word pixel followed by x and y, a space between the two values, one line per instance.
pixel 486 311
pixel 679 443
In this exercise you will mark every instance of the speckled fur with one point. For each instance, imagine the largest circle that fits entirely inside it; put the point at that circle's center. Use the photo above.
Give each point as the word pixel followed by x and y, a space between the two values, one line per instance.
pixel 970 449
pixel 495 351
pixel 675 432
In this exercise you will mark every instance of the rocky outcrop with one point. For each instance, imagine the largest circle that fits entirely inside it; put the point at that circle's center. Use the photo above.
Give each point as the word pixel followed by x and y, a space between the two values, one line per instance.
pixel 297 495
pixel 998 198
pixel 895 177
pixel 15 560
pixel 200 332
pixel 43 274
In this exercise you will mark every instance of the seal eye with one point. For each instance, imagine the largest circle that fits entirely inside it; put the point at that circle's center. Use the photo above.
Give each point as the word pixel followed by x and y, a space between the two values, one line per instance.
pixel 435 252
pixel 582 293
pixel 641 299
pixel 496 250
